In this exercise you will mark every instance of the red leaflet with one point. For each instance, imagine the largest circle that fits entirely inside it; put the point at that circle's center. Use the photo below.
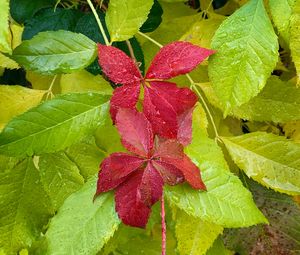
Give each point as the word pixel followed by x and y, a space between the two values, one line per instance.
pixel 136 132
pixel 164 104
pixel 139 178
pixel 124 97
pixel 176 58
pixel 131 210
pixel 118 67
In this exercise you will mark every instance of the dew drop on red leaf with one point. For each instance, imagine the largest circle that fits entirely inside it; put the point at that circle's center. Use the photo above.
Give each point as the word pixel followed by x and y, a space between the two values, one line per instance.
pixel 176 58
pixel 115 169
pixel 136 131
pixel 125 96
pixel 131 210
pixel 117 66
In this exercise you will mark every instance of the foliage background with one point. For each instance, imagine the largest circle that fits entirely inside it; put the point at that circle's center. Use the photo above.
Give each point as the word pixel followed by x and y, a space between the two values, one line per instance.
pixel 56 129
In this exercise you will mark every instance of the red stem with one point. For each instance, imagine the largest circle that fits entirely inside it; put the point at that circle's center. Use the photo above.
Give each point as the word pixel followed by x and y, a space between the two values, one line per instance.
pixel 163 227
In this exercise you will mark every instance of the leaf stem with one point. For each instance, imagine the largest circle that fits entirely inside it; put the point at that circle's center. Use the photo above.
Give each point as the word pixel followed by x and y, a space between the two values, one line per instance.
pixel 131 51
pixel 150 39
pixel 99 22
pixel 192 86
pixel 204 104
pixel 163 227
pixel 49 91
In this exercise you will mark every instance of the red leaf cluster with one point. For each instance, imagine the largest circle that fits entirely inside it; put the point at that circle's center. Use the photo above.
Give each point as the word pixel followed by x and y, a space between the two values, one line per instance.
pixel 155 137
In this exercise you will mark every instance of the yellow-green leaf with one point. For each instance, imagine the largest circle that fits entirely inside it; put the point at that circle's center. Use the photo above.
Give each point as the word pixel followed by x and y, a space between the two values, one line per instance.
pixel 4 27
pixel 295 37
pixel 269 159
pixel 279 101
pixel 202 32
pixel 16 100
pixel 125 17
pixel 194 236
pixel 6 62
pixel 281 11
pixel 247 52
pixel 83 81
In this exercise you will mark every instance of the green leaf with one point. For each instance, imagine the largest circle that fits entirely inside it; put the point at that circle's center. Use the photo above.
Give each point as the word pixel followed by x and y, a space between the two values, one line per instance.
pixel 50 19
pixel 279 101
pixel 24 207
pixel 194 236
pixel 4 27
pixel 60 177
pixel 6 62
pixel 226 202
pixel 16 100
pixel 82 226
pixel 25 9
pixel 125 17
pixel 54 125
pixel 202 32
pixel 281 236
pixel 246 55
pixel 281 11
pixel 87 156
pixel 269 159
pixel 295 37
pixel 83 81
pixel 56 52
pixel 7 163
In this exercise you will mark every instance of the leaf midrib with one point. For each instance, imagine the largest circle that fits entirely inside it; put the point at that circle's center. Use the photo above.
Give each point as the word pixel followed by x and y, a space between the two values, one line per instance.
pixel 261 156
pixel 51 127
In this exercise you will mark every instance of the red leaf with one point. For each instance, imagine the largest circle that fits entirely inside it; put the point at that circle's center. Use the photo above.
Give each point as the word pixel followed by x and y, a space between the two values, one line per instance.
pixel 117 66
pixel 170 174
pixel 169 149
pixel 136 131
pixel 190 171
pixel 151 186
pixel 131 210
pixel 164 103
pixel 181 99
pixel 125 96
pixel 176 58
pixel 115 169
pixel 160 113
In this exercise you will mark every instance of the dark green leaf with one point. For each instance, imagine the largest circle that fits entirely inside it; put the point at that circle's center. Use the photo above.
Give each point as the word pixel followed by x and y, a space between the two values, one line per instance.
pixel 154 18
pixel 21 10
pixel 51 19
pixel 54 125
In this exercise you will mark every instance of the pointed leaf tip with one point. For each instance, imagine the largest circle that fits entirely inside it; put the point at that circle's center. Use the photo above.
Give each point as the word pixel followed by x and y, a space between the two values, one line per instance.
pixel 177 58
